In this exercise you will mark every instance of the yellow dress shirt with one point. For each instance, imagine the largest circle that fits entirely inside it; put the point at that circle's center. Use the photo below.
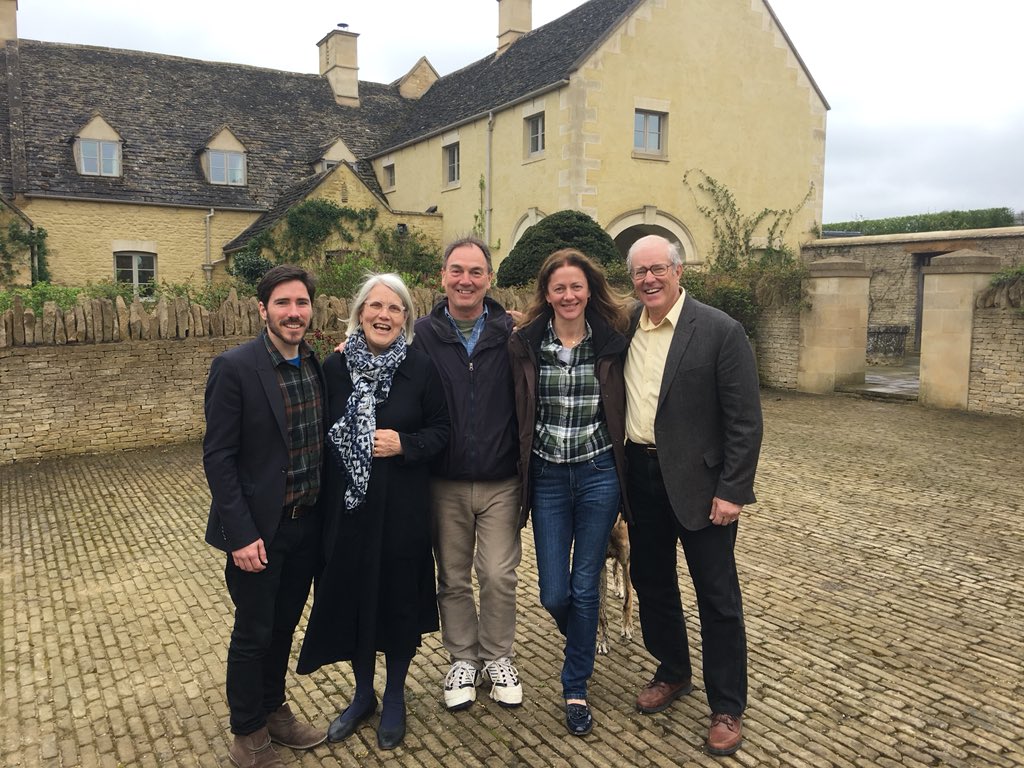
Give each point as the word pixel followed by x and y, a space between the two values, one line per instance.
pixel 645 365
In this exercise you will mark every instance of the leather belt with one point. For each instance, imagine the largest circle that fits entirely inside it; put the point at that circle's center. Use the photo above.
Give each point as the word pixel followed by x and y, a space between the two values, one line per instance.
pixel 295 511
pixel 649 449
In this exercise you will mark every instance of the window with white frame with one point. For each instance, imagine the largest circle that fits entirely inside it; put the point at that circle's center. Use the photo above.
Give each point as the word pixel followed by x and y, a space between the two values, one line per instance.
pixel 534 135
pixel 99 158
pixel 451 165
pixel 389 176
pixel 226 167
pixel 137 269
pixel 649 132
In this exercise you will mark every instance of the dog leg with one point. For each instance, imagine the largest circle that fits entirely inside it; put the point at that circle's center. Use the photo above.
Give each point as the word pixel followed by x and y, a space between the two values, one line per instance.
pixel 602 612
pixel 627 603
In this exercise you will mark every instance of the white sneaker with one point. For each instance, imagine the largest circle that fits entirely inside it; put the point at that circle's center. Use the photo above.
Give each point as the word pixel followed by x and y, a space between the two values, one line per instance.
pixel 506 688
pixel 460 685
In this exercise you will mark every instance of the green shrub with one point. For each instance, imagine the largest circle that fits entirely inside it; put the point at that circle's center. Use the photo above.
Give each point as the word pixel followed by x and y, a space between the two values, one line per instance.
pixel 565 229
pixel 250 265
pixel 726 291
pixel 413 255
pixel 342 276
pixel 39 294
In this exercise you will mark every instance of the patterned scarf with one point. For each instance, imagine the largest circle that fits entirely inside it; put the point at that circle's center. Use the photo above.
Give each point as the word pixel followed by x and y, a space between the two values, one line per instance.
pixel 352 434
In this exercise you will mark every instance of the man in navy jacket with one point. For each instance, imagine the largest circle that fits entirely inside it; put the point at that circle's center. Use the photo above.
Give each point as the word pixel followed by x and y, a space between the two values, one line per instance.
pixel 475 483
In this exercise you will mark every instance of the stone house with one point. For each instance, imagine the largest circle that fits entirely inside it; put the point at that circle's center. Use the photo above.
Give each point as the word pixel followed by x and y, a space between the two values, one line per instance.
pixel 144 166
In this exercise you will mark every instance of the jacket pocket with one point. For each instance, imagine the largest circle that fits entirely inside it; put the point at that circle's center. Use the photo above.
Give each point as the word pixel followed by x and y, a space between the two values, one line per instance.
pixel 713 457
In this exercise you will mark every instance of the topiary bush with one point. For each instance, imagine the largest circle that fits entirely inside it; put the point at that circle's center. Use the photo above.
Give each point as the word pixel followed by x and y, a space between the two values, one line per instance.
pixel 565 229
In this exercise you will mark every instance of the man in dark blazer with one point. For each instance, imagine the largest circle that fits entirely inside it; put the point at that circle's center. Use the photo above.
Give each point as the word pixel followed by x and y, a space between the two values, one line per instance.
pixel 265 405
pixel 693 429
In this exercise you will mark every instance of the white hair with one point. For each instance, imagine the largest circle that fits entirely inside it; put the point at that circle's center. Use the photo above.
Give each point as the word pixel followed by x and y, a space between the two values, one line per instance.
pixel 672 250
pixel 388 280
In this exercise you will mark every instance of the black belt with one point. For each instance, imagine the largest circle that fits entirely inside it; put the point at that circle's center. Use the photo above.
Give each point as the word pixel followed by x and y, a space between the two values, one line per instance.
pixel 648 448
pixel 295 511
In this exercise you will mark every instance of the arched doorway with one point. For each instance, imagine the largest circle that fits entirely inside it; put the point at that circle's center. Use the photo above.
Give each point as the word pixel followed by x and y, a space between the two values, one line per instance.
pixel 629 227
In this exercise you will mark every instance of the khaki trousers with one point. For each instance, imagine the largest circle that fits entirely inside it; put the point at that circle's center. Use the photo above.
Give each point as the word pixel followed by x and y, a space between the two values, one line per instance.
pixel 476 528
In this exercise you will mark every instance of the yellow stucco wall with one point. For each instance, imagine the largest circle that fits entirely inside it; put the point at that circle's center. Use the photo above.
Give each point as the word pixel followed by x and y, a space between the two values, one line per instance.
pixel 740 109
pixel 82 237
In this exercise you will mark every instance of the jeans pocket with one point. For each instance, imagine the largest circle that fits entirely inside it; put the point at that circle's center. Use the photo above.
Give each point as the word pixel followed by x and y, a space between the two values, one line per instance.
pixel 604 462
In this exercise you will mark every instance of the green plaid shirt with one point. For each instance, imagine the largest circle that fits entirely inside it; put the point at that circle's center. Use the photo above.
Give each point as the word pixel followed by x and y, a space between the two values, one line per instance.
pixel 304 418
pixel 570 421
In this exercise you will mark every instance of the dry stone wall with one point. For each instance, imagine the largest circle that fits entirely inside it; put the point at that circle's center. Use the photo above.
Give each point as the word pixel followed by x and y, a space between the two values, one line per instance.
pixel 778 347
pixel 104 376
pixel 997 361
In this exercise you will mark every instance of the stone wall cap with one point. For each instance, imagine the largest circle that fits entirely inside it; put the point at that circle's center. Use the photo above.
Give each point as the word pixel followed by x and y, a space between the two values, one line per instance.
pixel 964 261
pixel 838 266
pixel 915 237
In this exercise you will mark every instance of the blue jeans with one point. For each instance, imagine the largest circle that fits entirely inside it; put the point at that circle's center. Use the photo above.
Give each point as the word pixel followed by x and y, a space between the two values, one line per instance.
pixel 574 509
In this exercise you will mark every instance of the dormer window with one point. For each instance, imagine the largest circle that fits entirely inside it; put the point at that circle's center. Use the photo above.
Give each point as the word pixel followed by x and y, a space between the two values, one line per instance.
pixel 97 148
pixel 226 167
pixel 224 159
pixel 99 158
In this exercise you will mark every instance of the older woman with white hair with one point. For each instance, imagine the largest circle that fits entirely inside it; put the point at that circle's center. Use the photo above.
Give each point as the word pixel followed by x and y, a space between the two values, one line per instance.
pixel 377 590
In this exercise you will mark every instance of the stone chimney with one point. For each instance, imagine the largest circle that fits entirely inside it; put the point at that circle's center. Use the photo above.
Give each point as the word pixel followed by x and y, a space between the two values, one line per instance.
pixel 339 64
pixel 8 20
pixel 515 19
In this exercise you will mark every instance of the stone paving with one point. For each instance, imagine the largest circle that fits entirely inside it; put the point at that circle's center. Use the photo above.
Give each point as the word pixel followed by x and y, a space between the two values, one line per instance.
pixel 883 574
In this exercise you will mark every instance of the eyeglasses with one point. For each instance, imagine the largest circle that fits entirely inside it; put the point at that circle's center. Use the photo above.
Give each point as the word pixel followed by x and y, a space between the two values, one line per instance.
pixel 658 270
pixel 377 307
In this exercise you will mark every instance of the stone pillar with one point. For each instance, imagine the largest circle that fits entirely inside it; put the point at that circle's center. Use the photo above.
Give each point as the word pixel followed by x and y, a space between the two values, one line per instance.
pixel 947 324
pixel 834 331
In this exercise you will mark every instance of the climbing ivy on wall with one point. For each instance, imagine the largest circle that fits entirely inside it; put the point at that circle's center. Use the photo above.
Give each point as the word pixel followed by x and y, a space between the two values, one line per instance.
pixel 17 242
pixel 744 278
pixel 310 224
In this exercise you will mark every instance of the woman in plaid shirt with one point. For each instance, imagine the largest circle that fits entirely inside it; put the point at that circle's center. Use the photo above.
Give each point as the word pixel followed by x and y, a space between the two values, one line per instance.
pixel 567 362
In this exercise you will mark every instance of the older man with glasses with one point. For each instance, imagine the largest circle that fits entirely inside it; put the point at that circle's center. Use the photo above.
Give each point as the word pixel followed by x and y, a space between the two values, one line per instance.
pixel 693 430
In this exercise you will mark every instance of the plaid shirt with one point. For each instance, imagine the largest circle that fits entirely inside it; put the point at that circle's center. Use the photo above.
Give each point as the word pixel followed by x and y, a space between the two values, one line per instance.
pixel 304 418
pixel 570 422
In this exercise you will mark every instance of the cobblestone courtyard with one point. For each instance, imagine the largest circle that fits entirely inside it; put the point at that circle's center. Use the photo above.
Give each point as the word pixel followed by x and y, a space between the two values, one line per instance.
pixel 883 575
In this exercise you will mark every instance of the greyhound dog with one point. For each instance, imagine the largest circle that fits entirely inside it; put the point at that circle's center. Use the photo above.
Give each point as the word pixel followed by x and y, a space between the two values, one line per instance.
pixel 618 553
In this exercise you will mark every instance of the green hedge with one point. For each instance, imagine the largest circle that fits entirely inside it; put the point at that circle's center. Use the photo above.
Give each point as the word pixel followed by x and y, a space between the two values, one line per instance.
pixel 982 218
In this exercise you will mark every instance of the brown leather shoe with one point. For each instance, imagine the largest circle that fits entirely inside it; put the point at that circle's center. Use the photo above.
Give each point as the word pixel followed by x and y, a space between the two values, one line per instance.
pixel 284 729
pixel 725 735
pixel 254 751
pixel 657 695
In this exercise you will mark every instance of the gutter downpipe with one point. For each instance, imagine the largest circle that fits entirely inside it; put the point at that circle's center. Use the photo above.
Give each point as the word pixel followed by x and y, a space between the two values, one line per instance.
pixel 208 266
pixel 487 204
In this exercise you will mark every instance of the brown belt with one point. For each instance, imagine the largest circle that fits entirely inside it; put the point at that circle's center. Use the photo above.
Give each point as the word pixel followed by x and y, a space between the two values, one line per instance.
pixel 295 511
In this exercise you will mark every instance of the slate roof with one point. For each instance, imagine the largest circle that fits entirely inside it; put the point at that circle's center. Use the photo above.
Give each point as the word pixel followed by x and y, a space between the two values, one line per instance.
pixel 537 60
pixel 166 108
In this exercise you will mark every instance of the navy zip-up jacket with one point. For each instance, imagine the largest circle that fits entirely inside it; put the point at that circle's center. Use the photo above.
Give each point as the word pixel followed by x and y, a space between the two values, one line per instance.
pixel 481 402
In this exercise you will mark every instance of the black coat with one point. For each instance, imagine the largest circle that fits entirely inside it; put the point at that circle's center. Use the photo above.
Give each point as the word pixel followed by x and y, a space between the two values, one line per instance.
pixel 377 591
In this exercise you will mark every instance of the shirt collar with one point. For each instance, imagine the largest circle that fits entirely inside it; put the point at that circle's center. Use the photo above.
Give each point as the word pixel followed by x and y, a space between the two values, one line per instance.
pixel 672 318
pixel 275 354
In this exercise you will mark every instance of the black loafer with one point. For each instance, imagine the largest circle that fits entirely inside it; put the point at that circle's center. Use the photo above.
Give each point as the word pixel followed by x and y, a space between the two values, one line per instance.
pixel 389 738
pixel 578 719
pixel 341 728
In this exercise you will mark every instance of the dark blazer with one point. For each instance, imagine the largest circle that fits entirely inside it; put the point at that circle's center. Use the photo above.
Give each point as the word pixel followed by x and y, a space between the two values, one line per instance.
pixel 245 449
pixel 708 425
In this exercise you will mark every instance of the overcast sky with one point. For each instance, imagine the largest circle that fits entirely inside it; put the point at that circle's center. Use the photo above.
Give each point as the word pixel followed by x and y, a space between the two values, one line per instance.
pixel 926 95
